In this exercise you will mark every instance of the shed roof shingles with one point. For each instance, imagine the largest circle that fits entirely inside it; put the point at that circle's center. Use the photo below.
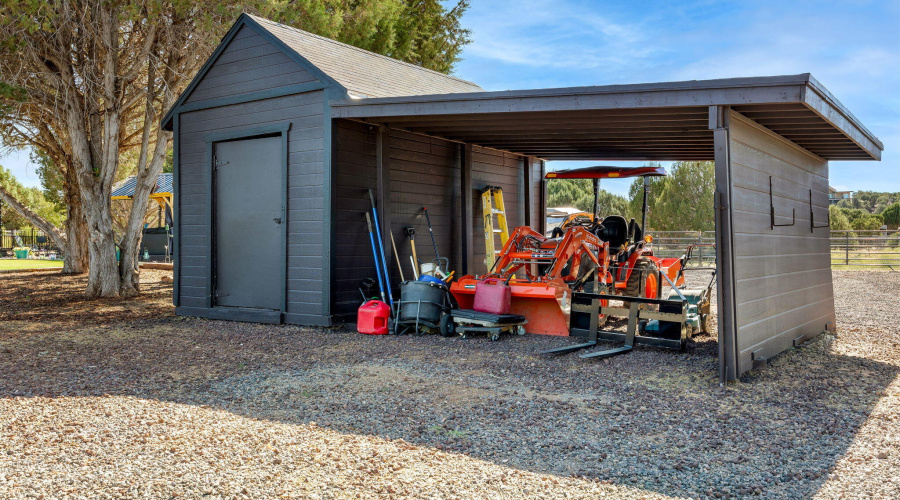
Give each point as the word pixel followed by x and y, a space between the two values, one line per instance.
pixel 362 72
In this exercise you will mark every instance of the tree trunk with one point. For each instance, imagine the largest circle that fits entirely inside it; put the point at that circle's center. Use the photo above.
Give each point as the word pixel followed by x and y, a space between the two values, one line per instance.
pixel 103 278
pixel 77 258
pixel 131 240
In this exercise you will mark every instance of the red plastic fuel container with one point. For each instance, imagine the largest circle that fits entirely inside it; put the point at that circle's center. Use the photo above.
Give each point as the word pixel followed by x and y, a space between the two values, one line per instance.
pixel 492 296
pixel 372 318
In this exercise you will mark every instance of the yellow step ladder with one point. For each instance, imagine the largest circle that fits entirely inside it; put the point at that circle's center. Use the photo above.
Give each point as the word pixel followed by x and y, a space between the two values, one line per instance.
pixel 491 205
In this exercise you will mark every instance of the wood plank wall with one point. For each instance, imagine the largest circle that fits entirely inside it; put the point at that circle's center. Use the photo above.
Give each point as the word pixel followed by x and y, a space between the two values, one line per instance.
pixel 783 288
pixel 491 167
pixel 248 64
pixel 354 172
pixel 421 171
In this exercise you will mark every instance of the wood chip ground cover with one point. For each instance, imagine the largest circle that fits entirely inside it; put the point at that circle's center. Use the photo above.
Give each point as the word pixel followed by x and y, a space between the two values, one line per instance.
pixel 120 399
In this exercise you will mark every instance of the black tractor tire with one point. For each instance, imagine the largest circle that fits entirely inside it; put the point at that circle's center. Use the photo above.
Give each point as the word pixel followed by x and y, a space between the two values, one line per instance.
pixel 643 267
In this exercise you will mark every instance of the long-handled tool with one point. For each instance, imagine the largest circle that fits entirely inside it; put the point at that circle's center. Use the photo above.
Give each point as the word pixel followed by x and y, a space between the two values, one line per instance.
pixel 397 256
pixel 437 257
pixel 382 261
pixel 411 232
pixel 375 254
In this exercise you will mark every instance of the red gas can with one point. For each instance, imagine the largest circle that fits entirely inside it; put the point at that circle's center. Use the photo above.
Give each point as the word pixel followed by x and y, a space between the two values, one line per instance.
pixel 372 318
pixel 492 296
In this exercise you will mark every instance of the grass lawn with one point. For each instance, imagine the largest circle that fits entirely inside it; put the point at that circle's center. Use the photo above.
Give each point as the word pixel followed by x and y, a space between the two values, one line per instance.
pixel 13 264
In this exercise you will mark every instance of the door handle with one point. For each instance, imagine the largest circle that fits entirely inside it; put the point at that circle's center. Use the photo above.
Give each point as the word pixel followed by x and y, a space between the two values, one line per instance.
pixel 277 220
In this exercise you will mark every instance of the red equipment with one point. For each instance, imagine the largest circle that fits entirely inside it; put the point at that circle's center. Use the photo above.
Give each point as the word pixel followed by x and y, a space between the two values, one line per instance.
pixel 555 267
pixel 549 266
pixel 372 318
pixel 492 296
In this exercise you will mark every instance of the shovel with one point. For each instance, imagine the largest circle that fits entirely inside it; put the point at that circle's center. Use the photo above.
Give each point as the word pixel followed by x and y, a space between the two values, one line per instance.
pixel 411 232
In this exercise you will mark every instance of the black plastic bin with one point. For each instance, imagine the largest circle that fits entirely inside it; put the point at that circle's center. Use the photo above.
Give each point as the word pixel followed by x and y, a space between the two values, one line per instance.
pixel 423 305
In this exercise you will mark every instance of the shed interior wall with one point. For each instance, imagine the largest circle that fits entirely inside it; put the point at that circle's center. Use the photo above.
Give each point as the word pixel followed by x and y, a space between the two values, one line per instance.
pixel 422 171
pixel 783 288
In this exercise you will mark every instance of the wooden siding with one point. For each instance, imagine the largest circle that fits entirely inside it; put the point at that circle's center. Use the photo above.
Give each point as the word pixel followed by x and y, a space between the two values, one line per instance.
pixel 783 289
pixel 424 172
pixel 491 167
pixel 354 171
pixel 538 220
pixel 305 113
pixel 248 64
pixel 420 171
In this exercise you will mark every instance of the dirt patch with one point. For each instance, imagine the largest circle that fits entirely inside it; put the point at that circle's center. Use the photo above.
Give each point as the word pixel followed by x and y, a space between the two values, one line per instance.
pixel 140 403
pixel 47 301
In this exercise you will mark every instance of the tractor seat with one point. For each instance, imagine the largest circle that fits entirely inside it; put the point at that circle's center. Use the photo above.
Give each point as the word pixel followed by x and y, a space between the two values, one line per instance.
pixel 614 231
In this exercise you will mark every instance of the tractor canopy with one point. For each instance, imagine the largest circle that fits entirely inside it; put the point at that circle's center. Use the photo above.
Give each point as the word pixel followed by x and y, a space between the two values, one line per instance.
pixel 606 172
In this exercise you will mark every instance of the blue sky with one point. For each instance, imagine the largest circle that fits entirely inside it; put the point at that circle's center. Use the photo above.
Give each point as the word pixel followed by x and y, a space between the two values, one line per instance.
pixel 851 47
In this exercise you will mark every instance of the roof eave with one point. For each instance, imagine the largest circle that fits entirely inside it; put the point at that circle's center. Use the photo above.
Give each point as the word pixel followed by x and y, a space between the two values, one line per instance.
pixel 796 89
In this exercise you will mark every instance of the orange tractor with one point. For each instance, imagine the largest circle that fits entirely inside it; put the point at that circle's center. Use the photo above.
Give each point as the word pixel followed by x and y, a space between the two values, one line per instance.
pixel 605 256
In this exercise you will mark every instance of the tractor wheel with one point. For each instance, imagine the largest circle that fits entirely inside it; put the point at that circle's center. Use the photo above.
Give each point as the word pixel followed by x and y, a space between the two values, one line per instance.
pixel 704 323
pixel 643 280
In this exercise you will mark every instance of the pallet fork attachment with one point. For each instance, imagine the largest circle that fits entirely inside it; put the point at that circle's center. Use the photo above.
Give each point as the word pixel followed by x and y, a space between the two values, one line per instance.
pixel 584 322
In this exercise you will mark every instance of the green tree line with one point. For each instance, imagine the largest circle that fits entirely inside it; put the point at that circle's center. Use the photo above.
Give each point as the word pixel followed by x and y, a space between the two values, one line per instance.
pixel 680 201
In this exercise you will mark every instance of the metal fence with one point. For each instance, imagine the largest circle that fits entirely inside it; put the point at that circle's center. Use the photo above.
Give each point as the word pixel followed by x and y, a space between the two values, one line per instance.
pixel 866 249
pixel 675 243
pixel 10 238
pixel 848 248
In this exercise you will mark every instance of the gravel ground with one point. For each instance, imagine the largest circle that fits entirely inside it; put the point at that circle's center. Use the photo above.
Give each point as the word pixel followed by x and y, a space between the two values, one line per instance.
pixel 137 403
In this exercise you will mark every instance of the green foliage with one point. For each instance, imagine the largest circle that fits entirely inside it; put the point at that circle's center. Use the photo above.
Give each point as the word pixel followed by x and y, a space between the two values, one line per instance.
pixel 839 221
pixel 33 198
pixel 681 201
pixel 859 219
pixel 870 222
pixel 891 215
pixel 51 178
pixel 873 202
pixel 579 193
pixel 421 32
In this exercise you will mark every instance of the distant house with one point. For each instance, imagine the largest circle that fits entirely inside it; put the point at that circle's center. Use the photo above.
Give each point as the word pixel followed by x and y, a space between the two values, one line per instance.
pixel 835 196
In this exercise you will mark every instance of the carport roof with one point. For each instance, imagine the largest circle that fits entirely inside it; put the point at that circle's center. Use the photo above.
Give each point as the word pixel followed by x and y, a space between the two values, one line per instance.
pixel 656 121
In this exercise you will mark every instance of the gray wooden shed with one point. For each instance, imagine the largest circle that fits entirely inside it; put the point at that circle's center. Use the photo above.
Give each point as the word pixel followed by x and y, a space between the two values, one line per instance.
pixel 281 134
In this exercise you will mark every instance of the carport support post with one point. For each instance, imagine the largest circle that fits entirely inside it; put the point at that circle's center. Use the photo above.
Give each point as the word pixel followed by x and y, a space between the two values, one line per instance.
pixel 644 205
pixel 718 122
pixel 528 189
pixel 383 193
pixel 465 212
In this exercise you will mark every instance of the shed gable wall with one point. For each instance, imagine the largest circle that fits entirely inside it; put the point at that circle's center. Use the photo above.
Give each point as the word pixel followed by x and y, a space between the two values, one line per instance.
pixel 783 289
pixel 305 199
pixel 249 63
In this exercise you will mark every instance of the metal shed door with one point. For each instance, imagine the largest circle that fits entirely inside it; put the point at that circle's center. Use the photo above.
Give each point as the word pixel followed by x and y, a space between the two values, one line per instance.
pixel 249 213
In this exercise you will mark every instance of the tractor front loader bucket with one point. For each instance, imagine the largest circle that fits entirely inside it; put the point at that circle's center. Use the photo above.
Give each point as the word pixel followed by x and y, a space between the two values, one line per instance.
pixel 546 305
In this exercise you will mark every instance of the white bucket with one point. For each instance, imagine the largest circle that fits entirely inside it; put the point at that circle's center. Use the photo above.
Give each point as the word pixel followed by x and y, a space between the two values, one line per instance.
pixel 427 269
